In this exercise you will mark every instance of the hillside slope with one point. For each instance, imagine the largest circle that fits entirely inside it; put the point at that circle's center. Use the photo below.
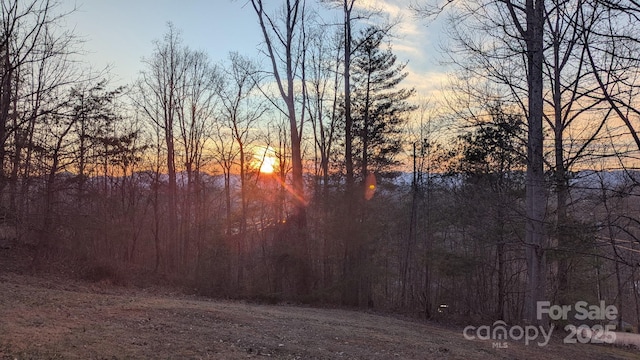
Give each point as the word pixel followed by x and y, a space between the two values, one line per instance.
pixel 49 316
pixel 60 319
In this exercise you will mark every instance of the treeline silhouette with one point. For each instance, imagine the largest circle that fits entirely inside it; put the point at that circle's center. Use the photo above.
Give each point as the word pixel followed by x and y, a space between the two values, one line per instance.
pixel 368 199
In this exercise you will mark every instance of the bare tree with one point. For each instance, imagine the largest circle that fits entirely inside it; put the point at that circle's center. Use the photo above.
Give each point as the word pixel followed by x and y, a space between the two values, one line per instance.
pixel 158 93
pixel 199 91
pixel 611 42
pixel 576 116
pixel 36 70
pixel 347 7
pixel 225 156
pixel 523 22
pixel 323 100
pixel 196 100
pixel 27 39
pixel 573 98
pixel 285 45
pixel 241 112
pixel 35 67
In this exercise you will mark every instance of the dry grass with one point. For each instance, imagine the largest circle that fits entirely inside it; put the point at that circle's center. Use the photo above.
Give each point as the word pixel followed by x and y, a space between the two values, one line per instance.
pixel 44 318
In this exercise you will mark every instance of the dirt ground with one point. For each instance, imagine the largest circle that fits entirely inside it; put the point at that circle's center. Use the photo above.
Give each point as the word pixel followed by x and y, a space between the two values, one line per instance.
pixel 56 318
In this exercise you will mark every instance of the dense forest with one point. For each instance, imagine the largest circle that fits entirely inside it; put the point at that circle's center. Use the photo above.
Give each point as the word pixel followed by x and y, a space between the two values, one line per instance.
pixel 315 175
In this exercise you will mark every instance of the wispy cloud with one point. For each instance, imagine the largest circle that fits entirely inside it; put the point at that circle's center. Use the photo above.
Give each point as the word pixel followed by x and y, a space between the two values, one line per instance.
pixel 394 11
pixel 428 85
pixel 411 39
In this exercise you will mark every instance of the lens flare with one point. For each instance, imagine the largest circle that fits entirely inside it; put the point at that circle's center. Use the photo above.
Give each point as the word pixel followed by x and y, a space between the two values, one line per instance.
pixel 370 187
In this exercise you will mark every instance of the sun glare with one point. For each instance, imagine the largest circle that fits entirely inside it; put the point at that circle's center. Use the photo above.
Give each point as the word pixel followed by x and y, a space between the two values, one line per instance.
pixel 268 165
pixel 265 159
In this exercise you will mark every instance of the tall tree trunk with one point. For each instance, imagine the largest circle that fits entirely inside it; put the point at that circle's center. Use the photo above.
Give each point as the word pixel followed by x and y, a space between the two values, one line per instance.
pixel 5 106
pixel 365 136
pixel 349 288
pixel 348 150
pixel 562 230
pixel 227 197
pixel 241 240
pixel 296 152
pixel 501 279
pixel 560 178
pixel 156 224
pixel 173 196
pixel 535 180
pixel 293 14
pixel 19 136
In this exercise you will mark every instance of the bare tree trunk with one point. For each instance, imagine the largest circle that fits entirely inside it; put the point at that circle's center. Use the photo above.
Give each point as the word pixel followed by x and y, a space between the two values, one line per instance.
pixel 294 14
pixel 6 94
pixel 535 238
pixel 348 143
pixel 45 243
pixel 157 219
pixel 172 189
pixel 348 259
pixel 20 137
pixel 156 223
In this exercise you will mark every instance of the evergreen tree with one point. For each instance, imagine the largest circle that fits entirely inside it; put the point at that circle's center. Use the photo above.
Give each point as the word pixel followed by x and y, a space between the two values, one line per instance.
pixel 379 107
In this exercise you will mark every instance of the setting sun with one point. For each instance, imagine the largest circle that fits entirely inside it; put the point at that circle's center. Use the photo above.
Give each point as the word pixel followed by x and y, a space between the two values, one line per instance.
pixel 268 165
pixel 265 159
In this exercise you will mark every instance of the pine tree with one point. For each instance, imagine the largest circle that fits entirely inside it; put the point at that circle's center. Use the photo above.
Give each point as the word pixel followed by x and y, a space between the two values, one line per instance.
pixel 379 108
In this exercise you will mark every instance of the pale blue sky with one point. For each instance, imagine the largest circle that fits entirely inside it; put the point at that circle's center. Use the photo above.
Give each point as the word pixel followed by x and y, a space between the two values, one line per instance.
pixel 120 33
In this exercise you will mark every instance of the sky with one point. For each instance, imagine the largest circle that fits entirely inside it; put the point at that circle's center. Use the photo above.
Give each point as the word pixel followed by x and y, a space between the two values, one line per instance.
pixel 120 33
